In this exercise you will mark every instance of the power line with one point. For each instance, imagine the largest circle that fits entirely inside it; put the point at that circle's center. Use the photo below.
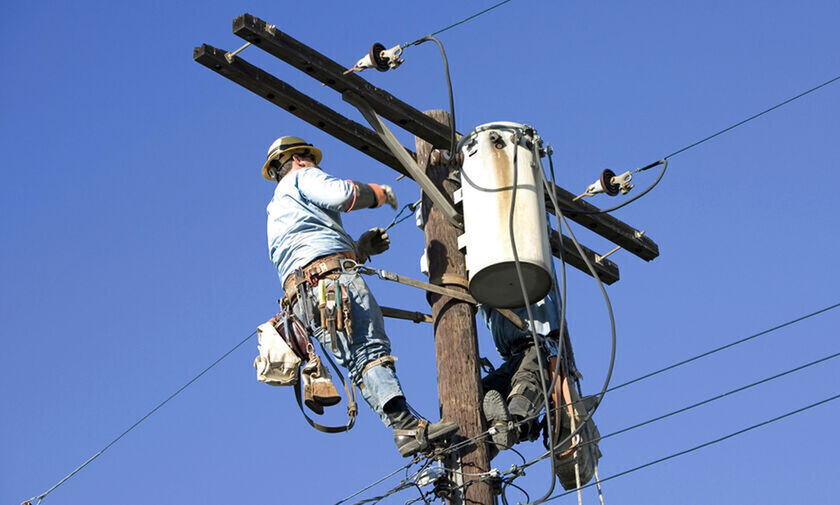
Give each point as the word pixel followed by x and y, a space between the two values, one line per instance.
pixel 664 160
pixel 721 132
pixel 721 348
pixel 484 434
pixel 701 446
pixel 722 395
pixel 41 496
pixel 453 25
pixel 695 405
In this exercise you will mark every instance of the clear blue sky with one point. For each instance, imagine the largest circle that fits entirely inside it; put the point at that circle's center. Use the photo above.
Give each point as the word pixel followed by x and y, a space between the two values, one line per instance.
pixel 133 239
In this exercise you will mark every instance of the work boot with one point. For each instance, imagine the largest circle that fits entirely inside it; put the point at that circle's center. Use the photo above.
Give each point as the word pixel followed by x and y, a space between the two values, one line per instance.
pixel 522 414
pixel 412 434
pixel 498 419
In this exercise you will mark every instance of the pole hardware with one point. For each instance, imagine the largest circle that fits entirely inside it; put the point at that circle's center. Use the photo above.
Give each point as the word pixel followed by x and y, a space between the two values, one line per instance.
pixel 439 199
pixel 379 58
pixel 599 257
pixel 229 56
pixel 610 184
pixel 430 474
pixel 442 157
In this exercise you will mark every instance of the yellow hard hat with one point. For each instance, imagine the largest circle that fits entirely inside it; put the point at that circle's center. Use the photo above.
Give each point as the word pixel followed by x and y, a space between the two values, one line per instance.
pixel 283 148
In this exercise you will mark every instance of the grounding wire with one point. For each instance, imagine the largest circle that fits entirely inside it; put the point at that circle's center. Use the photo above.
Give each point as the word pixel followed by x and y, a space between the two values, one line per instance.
pixel 453 25
pixel 707 444
pixel 43 495
pixel 663 161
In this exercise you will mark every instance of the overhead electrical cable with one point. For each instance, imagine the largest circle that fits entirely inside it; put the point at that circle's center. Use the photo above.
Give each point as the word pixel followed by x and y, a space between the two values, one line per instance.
pixel 755 116
pixel 722 395
pixel 664 160
pixel 724 347
pixel 477 438
pixel 453 25
pixel 697 404
pixel 707 444
pixel 41 496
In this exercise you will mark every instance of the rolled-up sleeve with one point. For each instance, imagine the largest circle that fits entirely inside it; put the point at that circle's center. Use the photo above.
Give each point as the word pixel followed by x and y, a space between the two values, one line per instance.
pixel 324 190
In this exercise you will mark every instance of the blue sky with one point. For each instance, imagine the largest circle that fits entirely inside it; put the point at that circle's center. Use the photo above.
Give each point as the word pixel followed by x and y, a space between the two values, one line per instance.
pixel 133 242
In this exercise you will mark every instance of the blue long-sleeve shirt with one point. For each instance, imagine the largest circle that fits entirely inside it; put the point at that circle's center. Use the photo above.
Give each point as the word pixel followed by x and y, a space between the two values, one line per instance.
pixel 304 220
pixel 505 333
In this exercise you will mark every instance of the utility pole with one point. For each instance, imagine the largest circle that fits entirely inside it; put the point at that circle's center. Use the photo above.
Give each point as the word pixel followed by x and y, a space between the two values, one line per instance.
pixel 456 343
pixel 456 346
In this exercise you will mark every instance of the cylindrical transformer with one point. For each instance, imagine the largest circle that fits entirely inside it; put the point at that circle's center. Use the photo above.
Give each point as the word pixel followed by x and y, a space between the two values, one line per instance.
pixel 492 153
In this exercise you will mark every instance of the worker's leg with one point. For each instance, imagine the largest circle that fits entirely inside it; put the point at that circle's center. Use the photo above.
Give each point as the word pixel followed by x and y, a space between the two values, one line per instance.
pixel 525 398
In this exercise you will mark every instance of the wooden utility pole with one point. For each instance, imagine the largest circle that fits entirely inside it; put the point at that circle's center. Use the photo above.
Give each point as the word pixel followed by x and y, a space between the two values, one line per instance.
pixel 456 345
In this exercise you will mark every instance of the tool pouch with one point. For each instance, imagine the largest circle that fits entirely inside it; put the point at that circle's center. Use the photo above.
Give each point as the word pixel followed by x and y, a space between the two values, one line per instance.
pixel 318 389
pixel 334 310
pixel 277 364
pixel 345 315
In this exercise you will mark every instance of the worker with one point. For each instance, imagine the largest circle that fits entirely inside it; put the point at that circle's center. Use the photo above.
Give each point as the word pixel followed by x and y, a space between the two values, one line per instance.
pixel 313 254
pixel 513 392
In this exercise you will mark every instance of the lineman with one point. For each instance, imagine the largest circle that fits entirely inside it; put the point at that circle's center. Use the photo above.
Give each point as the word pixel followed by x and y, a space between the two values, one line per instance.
pixel 309 247
pixel 513 391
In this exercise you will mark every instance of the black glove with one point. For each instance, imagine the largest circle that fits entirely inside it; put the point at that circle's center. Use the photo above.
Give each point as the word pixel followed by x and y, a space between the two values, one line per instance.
pixel 373 241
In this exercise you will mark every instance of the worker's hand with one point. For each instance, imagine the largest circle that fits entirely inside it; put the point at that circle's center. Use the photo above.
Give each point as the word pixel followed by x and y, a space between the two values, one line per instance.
pixel 390 197
pixel 373 241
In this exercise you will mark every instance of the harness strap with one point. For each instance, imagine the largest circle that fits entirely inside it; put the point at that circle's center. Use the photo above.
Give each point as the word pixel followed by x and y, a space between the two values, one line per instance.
pixel 381 361
pixel 450 279
pixel 352 407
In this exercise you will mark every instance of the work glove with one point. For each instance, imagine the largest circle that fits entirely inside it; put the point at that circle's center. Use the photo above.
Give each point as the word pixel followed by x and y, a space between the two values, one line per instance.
pixel 373 241
pixel 390 197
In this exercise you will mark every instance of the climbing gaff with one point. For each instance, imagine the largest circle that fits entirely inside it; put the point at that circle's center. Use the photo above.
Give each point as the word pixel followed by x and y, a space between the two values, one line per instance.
pixel 492 153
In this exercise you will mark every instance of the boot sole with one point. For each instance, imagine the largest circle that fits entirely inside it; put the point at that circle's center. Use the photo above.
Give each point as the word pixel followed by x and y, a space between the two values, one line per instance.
pixel 443 433
pixel 497 415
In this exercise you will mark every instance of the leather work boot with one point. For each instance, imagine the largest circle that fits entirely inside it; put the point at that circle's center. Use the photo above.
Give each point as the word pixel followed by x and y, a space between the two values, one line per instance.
pixel 412 434
pixel 498 417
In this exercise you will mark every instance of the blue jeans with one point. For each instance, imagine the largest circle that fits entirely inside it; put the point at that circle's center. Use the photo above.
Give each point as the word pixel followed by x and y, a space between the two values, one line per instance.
pixel 369 342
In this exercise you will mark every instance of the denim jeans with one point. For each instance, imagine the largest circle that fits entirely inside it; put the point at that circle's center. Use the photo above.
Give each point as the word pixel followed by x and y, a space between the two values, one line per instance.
pixel 369 342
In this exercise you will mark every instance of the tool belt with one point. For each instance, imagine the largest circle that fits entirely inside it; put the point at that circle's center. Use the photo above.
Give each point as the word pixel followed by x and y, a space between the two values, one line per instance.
pixel 315 270
pixel 334 309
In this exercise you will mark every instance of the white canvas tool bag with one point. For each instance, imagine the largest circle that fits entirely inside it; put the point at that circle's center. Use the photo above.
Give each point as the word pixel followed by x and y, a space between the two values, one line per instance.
pixel 277 364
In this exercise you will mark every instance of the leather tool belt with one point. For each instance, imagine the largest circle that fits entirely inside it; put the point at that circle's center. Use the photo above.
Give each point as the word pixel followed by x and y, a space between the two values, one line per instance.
pixel 314 271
